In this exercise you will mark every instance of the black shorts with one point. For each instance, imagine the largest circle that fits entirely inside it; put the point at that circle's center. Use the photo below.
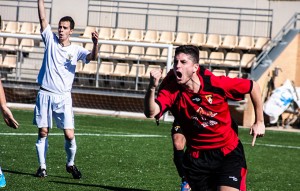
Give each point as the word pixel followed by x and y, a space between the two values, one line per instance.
pixel 212 169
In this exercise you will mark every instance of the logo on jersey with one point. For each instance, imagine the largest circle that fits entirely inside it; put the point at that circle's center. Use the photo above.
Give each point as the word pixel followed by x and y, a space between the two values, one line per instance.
pixel 209 98
pixel 196 99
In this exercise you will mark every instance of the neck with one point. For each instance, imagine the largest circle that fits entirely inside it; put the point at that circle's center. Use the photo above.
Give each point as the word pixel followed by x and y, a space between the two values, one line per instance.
pixel 65 43
pixel 193 84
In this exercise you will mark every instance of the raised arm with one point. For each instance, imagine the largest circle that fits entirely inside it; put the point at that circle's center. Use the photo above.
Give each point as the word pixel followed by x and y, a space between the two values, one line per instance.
pixel 94 53
pixel 7 115
pixel 258 128
pixel 42 14
pixel 151 108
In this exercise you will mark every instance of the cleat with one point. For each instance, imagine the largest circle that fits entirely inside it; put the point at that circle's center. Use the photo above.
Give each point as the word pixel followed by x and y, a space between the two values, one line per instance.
pixel 42 173
pixel 74 171
pixel 185 186
pixel 2 181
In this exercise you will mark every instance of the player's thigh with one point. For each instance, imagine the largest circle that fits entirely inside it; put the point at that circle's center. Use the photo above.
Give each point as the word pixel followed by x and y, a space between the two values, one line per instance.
pixel 63 112
pixel 42 110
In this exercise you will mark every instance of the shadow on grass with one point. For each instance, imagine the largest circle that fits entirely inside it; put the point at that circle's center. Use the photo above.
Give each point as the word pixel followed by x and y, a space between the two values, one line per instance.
pixel 100 186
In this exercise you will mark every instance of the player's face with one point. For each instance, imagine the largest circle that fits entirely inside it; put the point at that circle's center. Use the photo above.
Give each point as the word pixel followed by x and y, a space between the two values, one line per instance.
pixel 64 30
pixel 184 68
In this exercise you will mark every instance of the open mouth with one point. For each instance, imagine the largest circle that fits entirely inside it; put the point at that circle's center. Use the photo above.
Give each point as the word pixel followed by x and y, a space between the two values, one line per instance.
pixel 178 74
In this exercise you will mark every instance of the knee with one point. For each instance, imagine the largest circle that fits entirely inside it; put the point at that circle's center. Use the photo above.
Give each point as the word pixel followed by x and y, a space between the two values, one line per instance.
pixel 43 132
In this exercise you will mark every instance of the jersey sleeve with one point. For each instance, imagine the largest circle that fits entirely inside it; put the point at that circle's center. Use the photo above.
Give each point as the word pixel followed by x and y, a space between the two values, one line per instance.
pixel 47 34
pixel 234 88
pixel 82 54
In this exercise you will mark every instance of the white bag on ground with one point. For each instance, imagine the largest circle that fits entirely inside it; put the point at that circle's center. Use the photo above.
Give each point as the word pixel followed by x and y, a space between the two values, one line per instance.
pixel 280 100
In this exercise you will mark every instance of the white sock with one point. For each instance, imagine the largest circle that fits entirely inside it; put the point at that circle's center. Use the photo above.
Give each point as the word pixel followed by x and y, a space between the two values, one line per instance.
pixel 0 170
pixel 70 147
pixel 41 149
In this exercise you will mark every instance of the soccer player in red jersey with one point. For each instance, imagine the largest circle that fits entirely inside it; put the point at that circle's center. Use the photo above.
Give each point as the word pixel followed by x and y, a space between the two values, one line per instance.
pixel 214 158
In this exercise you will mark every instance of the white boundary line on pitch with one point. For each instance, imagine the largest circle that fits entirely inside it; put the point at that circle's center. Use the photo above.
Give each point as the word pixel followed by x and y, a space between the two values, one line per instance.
pixel 272 145
pixel 87 134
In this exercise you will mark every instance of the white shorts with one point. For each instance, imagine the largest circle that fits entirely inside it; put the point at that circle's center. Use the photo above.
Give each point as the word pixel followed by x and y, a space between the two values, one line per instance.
pixel 50 105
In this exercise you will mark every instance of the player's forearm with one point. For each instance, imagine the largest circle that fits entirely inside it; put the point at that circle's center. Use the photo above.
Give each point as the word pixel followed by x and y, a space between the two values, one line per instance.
pixel 257 103
pixel 151 108
pixel 42 14
pixel 94 53
pixel 2 98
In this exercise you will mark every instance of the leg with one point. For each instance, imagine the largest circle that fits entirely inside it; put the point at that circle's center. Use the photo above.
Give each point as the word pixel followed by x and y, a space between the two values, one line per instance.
pixel 41 148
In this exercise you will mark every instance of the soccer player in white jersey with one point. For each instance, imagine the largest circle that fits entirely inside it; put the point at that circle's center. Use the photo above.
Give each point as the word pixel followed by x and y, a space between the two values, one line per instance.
pixel 9 120
pixel 55 79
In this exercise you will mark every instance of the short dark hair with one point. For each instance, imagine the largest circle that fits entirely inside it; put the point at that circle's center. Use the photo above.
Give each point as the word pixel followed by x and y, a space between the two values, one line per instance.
pixel 70 19
pixel 191 50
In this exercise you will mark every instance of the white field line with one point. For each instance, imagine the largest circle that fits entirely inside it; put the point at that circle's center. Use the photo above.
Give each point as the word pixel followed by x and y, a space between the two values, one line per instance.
pixel 277 146
pixel 86 134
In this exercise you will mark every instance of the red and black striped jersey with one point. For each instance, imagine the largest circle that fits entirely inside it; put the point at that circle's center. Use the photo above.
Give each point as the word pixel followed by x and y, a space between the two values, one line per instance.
pixel 204 116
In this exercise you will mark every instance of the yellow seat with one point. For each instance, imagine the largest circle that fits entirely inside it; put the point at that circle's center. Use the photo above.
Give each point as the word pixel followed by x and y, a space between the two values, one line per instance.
pixel 149 69
pixel 182 38
pixel 106 68
pixel 219 72
pixel 136 35
pixel 198 39
pixel 106 50
pixel 260 43
pixel 151 36
pixel 203 57
pixel 10 44
pixel 152 53
pixel 79 66
pixel 245 43
pixel 105 33
pixel 88 32
pixel 26 45
pixel 216 58
pixel 121 51
pixel 9 61
pixel 12 27
pixel 247 60
pixel 229 42
pixel 27 28
pixel 213 41
pixel 120 34
pixel 121 70
pixel 167 37
pixel 232 59
pixel 90 68
pixel 234 74
pixel 137 70
pixel 136 52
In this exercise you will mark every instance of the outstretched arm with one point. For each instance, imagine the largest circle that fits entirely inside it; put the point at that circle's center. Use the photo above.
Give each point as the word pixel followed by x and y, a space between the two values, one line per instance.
pixel 7 115
pixel 151 108
pixel 258 128
pixel 94 54
pixel 42 14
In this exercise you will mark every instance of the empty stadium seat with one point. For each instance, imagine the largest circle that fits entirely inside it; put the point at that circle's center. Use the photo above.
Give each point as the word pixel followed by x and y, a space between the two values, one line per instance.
pixel 10 44
pixel 219 72
pixel 120 34
pixel 151 36
pixel 203 57
pixel 137 70
pixel 105 33
pixel 229 42
pixel 245 43
pixel 121 70
pixel 106 68
pixel 198 39
pixel 167 37
pixel 152 53
pixel 106 50
pixel 260 43
pixel 90 68
pixel 88 32
pixel 232 59
pixel 79 66
pixel 121 52
pixel 182 38
pixel 234 74
pixel 136 35
pixel 136 52
pixel 27 28
pixel 12 27
pixel 216 58
pixel 9 61
pixel 213 41
pixel 26 45
pixel 247 60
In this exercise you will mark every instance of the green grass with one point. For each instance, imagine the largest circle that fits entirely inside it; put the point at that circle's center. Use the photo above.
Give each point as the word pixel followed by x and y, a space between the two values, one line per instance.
pixel 115 162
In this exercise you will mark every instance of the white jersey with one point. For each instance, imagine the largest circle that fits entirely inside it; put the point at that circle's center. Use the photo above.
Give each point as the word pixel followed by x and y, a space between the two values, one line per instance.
pixel 58 69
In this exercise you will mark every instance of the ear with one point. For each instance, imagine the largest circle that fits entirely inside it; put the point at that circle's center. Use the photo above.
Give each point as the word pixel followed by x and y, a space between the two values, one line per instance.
pixel 196 66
